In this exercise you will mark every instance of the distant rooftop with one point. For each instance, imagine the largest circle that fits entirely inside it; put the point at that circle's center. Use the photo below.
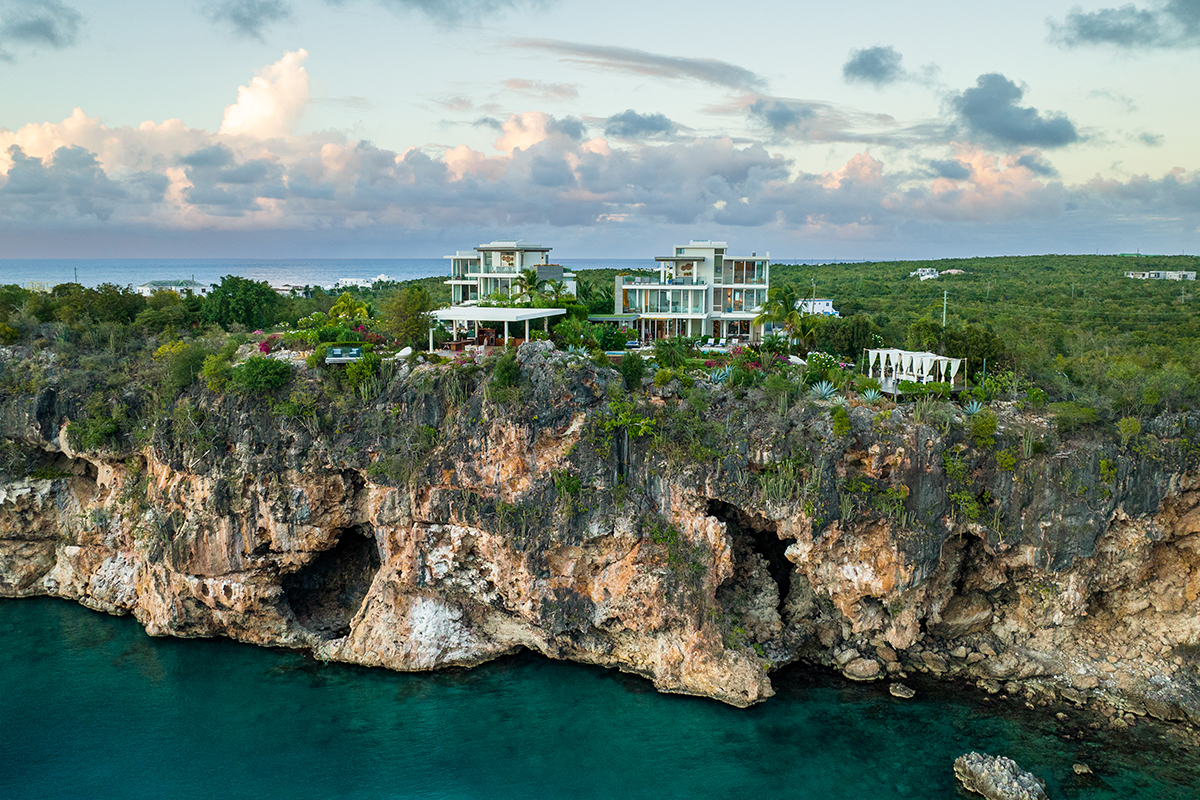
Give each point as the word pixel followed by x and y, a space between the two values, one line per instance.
pixel 513 244
pixel 186 283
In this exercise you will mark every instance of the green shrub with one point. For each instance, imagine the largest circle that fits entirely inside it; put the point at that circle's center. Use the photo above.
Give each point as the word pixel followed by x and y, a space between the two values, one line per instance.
pixel 362 370
pixel 633 369
pixel 663 377
pixel 182 362
pixel 1006 460
pixel 983 430
pixel 507 372
pixel 97 427
pixel 8 334
pixel 1073 416
pixel 258 374
pixel 1129 428
pixel 841 421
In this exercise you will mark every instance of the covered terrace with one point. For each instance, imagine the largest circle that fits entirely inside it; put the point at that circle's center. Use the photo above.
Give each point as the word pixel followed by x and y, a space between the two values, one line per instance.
pixel 470 318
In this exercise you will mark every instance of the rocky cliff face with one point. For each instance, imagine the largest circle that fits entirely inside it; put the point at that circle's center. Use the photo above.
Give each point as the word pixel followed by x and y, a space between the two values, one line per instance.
pixel 697 538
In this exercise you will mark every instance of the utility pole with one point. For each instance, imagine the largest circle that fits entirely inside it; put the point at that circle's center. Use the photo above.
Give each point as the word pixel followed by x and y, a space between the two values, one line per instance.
pixel 945 292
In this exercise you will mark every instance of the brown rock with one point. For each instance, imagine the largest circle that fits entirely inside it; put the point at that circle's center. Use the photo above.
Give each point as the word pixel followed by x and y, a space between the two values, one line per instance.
pixel 934 662
pixel 863 669
pixel 963 615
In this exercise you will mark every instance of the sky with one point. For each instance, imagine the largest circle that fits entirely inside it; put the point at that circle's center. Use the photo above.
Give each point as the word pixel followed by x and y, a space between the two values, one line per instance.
pixel 413 128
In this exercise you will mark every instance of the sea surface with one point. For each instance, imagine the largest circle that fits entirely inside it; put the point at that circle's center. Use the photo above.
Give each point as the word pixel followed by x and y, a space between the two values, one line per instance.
pixel 91 707
pixel 304 272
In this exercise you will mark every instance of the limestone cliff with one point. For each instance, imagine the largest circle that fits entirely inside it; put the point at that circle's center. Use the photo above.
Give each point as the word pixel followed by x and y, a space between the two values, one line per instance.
pixel 701 542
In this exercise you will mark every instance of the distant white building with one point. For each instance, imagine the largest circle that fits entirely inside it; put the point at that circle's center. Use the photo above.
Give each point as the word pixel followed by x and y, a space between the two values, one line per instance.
pixel 819 306
pixel 180 287
pixel 924 273
pixel 1161 275
pixel 356 283
pixel 493 268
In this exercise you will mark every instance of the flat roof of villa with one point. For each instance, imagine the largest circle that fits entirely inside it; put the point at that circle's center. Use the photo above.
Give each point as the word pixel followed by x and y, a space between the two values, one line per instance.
pixel 495 313
pixel 513 244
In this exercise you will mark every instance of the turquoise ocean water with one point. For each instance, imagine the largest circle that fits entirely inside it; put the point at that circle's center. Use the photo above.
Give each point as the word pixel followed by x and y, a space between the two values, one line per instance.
pixel 91 707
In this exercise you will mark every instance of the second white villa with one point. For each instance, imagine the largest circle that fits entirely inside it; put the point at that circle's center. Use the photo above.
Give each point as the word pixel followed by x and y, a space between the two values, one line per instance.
pixel 700 290
pixel 493 268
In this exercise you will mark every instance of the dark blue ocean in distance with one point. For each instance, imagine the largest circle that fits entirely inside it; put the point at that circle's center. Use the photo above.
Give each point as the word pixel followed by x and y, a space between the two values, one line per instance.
pixel 299 271
pixel 91 707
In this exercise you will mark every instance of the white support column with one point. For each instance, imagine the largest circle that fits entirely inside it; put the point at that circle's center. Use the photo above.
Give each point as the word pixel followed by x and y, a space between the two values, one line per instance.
pixel 546 324
pixel 506 333
pixel 527 330
pixel 431 338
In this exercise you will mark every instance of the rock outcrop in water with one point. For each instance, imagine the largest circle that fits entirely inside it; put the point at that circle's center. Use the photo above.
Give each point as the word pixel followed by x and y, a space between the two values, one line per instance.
pixel 997 778
pixel 697 537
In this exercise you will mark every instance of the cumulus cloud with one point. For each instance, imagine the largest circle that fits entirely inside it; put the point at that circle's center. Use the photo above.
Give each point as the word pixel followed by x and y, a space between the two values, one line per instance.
pixel 248 18
pixel 990 109
pixel 43 191
pixel 630 124
pixel 37 23
pixel 875 65
pixel 640 62
pixel 274 99
pixel 1173 23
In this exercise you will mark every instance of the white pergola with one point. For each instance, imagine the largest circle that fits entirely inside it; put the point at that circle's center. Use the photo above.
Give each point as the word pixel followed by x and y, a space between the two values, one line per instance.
pixel 893 366
pixel 478 314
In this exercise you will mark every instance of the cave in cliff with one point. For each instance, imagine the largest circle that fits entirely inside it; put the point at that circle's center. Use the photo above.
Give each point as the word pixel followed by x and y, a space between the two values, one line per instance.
pixel 755 538
pixel 327 592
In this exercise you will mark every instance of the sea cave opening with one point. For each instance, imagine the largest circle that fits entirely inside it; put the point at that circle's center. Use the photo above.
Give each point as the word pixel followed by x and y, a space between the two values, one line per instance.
pixel 756 535
pixel 328 591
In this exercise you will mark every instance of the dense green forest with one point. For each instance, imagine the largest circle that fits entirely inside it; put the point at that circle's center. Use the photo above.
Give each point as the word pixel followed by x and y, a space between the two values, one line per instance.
pixel 1071 324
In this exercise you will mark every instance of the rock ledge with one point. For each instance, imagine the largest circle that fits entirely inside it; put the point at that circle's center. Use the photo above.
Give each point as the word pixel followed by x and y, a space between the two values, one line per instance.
pixel 997 778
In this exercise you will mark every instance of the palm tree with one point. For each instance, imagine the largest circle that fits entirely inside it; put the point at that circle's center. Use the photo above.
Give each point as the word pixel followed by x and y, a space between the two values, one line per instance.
pixel 781 302
pixel 802 329
pixel 556 291
pixel 527 283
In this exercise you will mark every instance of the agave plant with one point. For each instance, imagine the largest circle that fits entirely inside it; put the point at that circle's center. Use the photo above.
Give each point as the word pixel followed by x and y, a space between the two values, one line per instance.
pixel 719 375
pixel 822 391
pixel 872 396
pixel 576 350
pixel 972 408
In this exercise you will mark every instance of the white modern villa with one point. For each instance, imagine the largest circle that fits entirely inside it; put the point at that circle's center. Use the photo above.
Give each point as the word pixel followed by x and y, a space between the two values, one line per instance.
pixel 180 287
pixel 820 306
pixel 493 267
pixel 700 290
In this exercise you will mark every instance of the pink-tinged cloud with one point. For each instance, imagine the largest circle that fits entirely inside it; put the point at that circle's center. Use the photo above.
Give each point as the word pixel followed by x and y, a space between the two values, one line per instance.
pixel 272 101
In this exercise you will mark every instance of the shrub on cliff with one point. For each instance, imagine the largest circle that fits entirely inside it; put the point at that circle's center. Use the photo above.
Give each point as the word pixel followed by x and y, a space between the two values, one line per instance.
pixel 1072 416
pixel 181 362
pixel 258 374
pixel 633 369
pixel 983 430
